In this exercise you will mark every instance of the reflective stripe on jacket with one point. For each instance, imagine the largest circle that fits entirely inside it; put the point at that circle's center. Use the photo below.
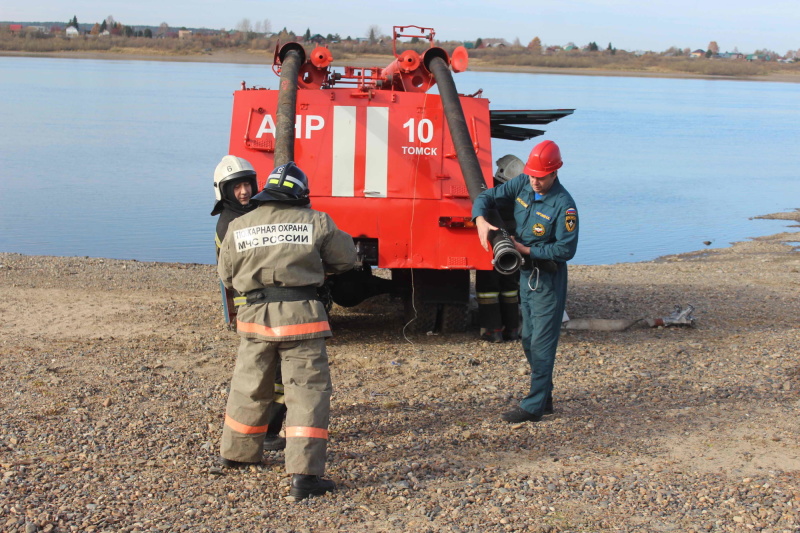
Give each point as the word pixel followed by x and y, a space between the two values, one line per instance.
pixel 285 246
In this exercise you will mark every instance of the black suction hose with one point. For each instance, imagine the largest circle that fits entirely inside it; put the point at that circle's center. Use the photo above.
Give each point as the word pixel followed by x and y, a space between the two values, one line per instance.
pixel 507 260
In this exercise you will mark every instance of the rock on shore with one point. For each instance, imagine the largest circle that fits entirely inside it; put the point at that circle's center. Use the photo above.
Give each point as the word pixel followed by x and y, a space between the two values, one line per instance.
pixel 115 374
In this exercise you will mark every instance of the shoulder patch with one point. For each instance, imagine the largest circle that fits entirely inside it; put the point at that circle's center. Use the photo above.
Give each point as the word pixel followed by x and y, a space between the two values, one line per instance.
pixel 571 211
pixel 521 202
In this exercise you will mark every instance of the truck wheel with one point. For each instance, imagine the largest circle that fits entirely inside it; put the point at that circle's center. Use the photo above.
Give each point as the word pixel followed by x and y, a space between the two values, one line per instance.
pixel 454 318
pixel 419 317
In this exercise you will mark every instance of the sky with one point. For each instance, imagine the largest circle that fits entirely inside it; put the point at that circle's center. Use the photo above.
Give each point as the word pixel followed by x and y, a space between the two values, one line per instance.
pixel 627 24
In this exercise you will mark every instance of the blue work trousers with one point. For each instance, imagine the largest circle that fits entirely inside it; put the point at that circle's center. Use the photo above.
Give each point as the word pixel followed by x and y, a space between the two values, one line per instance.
pixel 542 304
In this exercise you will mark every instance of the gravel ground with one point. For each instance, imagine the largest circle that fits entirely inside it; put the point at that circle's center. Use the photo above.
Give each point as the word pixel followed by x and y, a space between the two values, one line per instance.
pixel 115 374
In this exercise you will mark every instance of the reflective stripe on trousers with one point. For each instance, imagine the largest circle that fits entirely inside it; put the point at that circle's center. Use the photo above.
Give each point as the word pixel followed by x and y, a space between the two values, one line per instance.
pixel 307 391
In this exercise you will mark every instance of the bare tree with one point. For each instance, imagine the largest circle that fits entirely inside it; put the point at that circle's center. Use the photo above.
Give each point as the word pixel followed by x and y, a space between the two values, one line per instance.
pixel 373 33
pixel 244 26
pixel 163 29
pixel 262 26
pixel 110 21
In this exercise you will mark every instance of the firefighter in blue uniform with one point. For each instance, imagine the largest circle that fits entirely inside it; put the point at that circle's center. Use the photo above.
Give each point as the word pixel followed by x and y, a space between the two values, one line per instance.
pixel 547 237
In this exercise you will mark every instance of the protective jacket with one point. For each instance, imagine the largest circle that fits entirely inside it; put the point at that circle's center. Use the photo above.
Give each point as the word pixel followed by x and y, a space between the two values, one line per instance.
pixel 295 252
pixel 228 213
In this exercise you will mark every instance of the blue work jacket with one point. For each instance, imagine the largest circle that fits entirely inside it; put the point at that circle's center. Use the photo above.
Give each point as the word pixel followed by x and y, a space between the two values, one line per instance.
pixel 547 224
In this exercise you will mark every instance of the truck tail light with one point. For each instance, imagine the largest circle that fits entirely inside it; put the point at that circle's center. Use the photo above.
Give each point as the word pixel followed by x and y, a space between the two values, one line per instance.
pixel 456 222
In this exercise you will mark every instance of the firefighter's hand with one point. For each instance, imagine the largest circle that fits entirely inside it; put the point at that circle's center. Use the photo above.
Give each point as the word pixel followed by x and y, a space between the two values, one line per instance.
pixel 521 248
pixel 483 231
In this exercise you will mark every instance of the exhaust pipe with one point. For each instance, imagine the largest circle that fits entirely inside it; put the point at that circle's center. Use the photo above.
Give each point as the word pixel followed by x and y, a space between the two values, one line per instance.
pixel 507 260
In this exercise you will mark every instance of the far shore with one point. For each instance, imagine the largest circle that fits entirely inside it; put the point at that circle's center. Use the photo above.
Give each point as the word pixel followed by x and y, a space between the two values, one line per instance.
pixel 264 57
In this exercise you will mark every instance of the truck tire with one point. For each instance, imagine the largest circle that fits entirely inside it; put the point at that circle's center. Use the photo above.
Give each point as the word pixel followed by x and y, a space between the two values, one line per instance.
pixel 454 318
pixel 419 317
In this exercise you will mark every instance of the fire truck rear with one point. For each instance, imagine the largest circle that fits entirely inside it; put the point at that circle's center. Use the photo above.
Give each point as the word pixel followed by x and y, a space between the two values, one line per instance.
pixel 394 165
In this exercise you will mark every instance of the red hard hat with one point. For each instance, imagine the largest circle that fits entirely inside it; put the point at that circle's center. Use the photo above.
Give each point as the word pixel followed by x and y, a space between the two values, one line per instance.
pixel 544 159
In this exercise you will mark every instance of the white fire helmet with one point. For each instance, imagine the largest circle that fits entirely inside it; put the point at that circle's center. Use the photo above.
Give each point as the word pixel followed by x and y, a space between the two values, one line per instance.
pixel 509 166
pixel 229 170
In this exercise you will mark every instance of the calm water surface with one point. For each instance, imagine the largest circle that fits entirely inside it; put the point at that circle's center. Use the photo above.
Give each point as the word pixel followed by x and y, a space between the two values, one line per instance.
pixel 115 158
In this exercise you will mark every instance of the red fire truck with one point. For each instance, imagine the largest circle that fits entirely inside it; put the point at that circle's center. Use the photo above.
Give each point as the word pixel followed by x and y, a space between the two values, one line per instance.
pixel 394 165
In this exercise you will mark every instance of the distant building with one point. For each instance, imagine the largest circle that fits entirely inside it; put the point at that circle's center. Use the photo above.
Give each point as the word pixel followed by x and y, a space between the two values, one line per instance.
pixel 495 43
pixel 72 31
pixel 698 53
pixel 184 34
pixel 15 28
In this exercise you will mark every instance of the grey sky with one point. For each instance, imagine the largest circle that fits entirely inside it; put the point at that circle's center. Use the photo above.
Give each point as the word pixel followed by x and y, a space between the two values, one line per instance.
pixel 627 24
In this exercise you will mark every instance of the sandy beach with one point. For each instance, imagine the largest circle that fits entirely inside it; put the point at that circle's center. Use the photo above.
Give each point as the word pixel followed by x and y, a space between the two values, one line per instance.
pixel 115 373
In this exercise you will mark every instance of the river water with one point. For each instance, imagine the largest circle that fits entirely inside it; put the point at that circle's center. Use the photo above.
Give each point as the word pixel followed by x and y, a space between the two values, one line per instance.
pixel 110 158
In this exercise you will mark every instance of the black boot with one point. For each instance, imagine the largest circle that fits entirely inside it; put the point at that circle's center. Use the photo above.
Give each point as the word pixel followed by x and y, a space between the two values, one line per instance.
pixel 273 441
pixel 518 414
pixel 494 336
pixel 304 486
pixel 230 463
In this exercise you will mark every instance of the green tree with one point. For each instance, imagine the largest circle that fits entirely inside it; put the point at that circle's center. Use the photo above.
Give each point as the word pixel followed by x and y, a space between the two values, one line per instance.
pixel 148 33
pixel 593 47
pixel 709 53
pixel 307 35
pixel 73 22
pixel 478 42
pixel 103 26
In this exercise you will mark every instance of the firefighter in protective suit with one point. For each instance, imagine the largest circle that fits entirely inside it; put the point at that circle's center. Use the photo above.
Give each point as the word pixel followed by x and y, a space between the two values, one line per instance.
pixel 234 186
pixel 498 294
pixel 277 256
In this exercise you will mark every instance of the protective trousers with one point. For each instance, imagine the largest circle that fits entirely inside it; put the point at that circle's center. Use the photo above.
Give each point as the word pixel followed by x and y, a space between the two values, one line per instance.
pixel 542 302
pixel 498 300
pixel 307 389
